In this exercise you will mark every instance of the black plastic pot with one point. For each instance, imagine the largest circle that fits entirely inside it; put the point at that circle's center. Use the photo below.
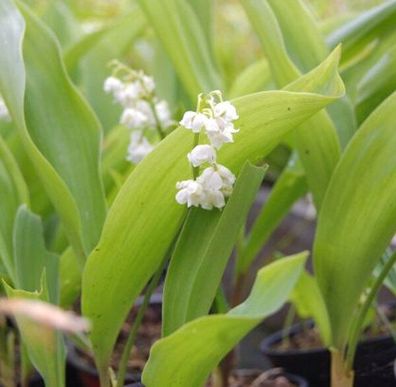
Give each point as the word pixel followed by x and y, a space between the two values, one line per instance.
pixel 248 376
pixel 86 375
pixel 297 380
pixel 373 362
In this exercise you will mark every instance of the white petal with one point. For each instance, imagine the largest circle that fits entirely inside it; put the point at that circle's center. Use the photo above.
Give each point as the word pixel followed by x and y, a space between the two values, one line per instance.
pixel 202 154
pixel 226 110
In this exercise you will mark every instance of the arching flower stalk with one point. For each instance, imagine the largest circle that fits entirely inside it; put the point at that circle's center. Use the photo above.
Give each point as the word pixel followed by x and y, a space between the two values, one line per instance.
pixel 142 109
pixel 214 118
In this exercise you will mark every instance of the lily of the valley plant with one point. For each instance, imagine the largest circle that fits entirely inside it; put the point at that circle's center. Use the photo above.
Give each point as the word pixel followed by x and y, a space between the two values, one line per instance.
pixel 103 195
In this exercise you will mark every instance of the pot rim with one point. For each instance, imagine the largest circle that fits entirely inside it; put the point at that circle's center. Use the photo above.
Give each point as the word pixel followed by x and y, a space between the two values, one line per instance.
pixel 267 345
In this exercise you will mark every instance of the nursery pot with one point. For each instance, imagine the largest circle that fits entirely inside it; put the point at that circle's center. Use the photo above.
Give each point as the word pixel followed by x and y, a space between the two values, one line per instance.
pixel 86 374
pixel 294 379
pixel 373 361
pixel 258 377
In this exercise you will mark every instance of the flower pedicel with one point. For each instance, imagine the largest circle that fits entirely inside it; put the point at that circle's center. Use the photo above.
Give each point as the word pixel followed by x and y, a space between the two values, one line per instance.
pixel 215 118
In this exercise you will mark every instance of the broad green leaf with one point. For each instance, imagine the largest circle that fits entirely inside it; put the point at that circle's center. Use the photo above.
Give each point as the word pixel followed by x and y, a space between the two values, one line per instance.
pixel 202 252
pixel 204 12
pixel 368 26
pixel 183 38
pixel 358 217
pixel 61 136
pixel 13 192
pixel 32 257
pixel 251 80
pixel 377 84
pixel 185 358
pixel 317 142
pixel 301 33
pixel 45 346
pixel 289 187
pixel 69 278
pixel 308 300
pixel 59 17
pixel 94 69
pixel 145 209
pixel 307 48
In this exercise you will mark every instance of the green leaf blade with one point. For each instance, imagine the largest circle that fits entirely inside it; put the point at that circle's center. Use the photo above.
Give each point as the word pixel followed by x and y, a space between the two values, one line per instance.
pixel 206 340
pixel 202 252
pixel 358 217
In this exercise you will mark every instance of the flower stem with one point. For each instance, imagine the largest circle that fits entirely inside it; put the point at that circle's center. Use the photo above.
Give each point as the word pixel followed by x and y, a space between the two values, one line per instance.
pixel 195 170
pixel 158 125
pixel 357 324
pixel 136 324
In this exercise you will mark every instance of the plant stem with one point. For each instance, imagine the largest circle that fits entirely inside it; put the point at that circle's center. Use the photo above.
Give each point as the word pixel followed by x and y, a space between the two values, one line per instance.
pixel 195 170
pixel 357 324
pixel 158 125
pixel 221 303
pixel 291 313
pixel 136 324
pixel 340 375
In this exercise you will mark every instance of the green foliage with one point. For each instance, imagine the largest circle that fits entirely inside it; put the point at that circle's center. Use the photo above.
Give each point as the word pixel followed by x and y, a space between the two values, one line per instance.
pixel 202 251
pixel 357 220
pixel 61 136
pixel 206 340
pixel 183 38
pixel 146 208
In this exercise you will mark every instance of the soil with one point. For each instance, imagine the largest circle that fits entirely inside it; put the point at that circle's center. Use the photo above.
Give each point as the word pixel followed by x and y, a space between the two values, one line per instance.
pixel 309 338
pixel 258 378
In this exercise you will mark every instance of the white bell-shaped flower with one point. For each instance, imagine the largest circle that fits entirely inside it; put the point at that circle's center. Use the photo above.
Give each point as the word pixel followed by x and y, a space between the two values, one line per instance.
pixel 4 113
pixel 148 83
pixel 213 198
pixel 219 134
pixel 228 179
pixel 193 121
pixel 190 192
pixel 138 148
pixel 202 154
pixel 210 179
pixel 130 93
pixel 226 110
pixel 163 113
pixel 133 118
pixel 113 85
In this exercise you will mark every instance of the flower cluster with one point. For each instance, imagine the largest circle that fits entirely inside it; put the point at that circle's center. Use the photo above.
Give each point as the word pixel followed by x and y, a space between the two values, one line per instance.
pixel 4 114
pixel 215 118
pixel 142 110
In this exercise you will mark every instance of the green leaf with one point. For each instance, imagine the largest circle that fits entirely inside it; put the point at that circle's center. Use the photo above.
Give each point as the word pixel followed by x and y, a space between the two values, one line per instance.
pixel 254 78
pixel 45 346
pixel 202 252
pixel 205 341
pixel 301 34
pixel 32 257
pixel 368 26
pixel 61 136
pixel 13 192
pixel 183 38
pixel 289 187
pixel 307 48
pixel 70 279
pixel 317 142
pixel 145 209
pixel 358 217
pixel 308 300
pixel 377 84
